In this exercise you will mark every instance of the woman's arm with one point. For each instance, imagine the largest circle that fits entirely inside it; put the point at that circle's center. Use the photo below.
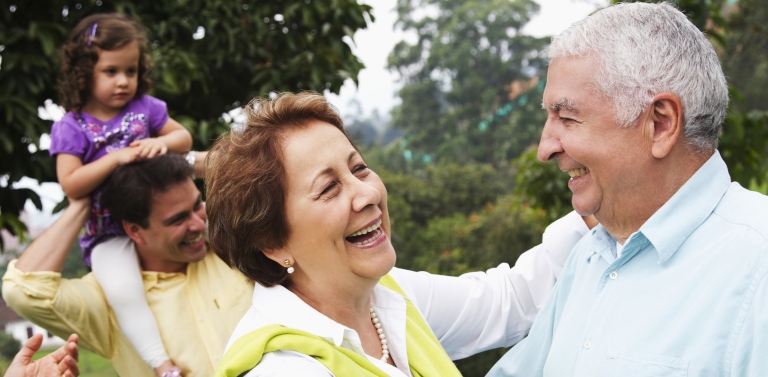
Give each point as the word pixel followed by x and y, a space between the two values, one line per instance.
pixel 483 310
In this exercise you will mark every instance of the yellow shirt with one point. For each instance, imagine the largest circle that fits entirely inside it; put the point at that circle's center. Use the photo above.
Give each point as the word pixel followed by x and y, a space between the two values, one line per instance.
pixel 196 313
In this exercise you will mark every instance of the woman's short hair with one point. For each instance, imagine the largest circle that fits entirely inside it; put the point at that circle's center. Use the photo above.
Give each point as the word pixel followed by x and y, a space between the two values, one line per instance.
pixel 246 178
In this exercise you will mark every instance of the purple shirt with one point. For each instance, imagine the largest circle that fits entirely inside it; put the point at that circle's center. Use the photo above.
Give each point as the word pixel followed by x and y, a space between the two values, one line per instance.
pixel 89 139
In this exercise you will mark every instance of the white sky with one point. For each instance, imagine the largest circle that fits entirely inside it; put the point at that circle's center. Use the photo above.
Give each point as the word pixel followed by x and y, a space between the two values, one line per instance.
pixel 378 87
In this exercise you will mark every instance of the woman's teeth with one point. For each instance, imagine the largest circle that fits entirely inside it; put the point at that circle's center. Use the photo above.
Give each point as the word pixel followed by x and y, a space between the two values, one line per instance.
pixel 366 230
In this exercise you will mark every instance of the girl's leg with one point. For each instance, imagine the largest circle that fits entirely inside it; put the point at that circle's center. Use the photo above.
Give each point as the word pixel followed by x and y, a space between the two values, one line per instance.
pixel 116 267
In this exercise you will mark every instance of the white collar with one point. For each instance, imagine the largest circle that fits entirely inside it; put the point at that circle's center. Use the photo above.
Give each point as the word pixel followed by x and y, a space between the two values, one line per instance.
pixel 278 305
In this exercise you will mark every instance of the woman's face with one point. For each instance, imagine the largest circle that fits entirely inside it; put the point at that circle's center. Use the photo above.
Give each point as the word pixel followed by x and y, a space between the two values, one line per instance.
pixel 336 210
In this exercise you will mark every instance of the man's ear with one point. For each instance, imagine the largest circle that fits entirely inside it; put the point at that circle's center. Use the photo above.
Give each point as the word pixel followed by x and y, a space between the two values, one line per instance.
pixel 667 121
pixel 133 231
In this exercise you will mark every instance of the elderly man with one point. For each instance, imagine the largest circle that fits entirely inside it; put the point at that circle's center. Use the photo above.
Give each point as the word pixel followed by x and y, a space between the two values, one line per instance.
pixel 674 282
pixel 196 299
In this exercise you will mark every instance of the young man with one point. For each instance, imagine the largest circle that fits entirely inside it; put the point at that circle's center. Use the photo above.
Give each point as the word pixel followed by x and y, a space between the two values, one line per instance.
pixel 196 299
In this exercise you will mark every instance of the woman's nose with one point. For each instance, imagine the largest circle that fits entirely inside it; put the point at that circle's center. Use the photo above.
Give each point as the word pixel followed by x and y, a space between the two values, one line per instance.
pixel 364 195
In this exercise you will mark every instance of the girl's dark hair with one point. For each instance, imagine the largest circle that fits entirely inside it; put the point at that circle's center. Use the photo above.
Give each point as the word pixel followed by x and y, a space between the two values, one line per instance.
pixel 79 54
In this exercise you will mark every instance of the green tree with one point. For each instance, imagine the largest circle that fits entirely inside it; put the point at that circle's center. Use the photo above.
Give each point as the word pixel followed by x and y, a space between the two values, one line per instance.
pixel 542 185
pixel 441 190
pixel 464 80
pixel 8 346
pixel 209 57
pixel 745 55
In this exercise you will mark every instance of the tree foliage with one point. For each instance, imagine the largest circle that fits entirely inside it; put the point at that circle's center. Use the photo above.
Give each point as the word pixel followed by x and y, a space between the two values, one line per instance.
pixel 463 78
pixel 209 57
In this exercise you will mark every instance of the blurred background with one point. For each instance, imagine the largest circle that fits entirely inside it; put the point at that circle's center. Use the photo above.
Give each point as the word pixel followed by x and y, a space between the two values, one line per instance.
pixel 443 98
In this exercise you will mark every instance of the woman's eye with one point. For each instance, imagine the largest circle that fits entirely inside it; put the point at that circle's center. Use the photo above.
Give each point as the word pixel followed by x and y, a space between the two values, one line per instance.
pixel 360 168
pixel 328 188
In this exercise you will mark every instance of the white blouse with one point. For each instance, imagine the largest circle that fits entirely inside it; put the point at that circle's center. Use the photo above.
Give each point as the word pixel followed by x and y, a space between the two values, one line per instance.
pixel 468 314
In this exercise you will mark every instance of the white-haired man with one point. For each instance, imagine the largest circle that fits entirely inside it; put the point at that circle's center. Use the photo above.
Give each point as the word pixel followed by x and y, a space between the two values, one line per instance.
pixel 674 282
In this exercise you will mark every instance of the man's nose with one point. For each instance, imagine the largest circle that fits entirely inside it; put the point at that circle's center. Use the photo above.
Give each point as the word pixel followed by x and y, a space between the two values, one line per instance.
pixel 197 222
pixel 549 145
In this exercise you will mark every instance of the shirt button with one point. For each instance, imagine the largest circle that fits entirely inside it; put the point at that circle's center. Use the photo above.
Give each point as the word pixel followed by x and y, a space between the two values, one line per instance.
pixel 613 275
pixel 587 344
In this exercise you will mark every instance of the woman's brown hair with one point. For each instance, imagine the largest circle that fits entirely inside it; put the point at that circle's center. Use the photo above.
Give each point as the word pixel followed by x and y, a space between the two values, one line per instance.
pixel 79 54
pixel 245 183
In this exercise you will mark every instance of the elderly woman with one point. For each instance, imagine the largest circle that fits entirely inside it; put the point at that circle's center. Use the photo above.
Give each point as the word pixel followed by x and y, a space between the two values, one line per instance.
pixel 293 205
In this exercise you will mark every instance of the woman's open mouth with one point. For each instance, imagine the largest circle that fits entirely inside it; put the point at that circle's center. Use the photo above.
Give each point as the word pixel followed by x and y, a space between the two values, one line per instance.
pixel 366 236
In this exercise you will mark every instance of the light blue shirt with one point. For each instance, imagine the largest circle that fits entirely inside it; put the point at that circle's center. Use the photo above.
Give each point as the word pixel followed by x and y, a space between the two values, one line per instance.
pixel 687 297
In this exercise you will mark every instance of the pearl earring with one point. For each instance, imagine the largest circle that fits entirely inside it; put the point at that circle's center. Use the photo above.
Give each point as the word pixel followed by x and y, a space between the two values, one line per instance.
pixel 290 268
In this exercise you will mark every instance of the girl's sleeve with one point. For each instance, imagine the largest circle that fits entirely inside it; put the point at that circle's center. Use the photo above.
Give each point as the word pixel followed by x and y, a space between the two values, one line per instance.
pixel 68 137
pixel 157 114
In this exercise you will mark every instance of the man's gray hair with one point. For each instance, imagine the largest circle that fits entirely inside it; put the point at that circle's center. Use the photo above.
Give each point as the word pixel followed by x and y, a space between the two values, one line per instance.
pixel 645 49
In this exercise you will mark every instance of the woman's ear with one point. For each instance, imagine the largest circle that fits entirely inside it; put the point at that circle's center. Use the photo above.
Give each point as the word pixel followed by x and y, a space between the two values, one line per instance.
pixel 667 118
pixel 280 256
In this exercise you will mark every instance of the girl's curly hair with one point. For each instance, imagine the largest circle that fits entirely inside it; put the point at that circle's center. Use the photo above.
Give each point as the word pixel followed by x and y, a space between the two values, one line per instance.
pixel 79 54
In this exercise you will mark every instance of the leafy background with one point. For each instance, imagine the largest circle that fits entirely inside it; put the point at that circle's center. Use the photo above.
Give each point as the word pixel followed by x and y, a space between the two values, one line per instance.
pixel 458 154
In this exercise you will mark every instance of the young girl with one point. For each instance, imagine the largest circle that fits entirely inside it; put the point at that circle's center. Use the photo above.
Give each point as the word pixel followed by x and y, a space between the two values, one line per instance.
pixel 111 121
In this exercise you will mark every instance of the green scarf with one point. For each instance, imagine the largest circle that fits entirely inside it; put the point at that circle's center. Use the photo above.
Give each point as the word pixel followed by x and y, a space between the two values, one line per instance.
pixel 426 356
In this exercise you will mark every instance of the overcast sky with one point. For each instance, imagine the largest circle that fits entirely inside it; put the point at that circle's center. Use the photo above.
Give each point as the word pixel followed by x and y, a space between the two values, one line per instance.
pixel 377 86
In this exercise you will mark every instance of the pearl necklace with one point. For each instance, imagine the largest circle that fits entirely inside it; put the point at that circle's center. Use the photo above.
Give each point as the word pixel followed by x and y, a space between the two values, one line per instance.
pixel 382 336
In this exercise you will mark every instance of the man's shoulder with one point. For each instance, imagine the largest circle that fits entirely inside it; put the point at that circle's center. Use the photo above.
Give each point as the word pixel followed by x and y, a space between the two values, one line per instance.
pixel 746 209
pixel 212 267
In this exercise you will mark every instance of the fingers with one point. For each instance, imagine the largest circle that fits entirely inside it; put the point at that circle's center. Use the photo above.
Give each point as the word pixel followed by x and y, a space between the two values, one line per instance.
pixel 72 349
pixel 69 367
pixel 29 348
pixel 149 148
pixel 68 362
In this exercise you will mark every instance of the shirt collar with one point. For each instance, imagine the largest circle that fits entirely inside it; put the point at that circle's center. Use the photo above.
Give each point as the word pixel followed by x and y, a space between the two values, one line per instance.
pixel 671 225
pixel 281 306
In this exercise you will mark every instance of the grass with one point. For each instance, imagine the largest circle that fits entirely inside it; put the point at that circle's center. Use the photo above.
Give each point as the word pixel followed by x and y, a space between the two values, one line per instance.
pixel 91 364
